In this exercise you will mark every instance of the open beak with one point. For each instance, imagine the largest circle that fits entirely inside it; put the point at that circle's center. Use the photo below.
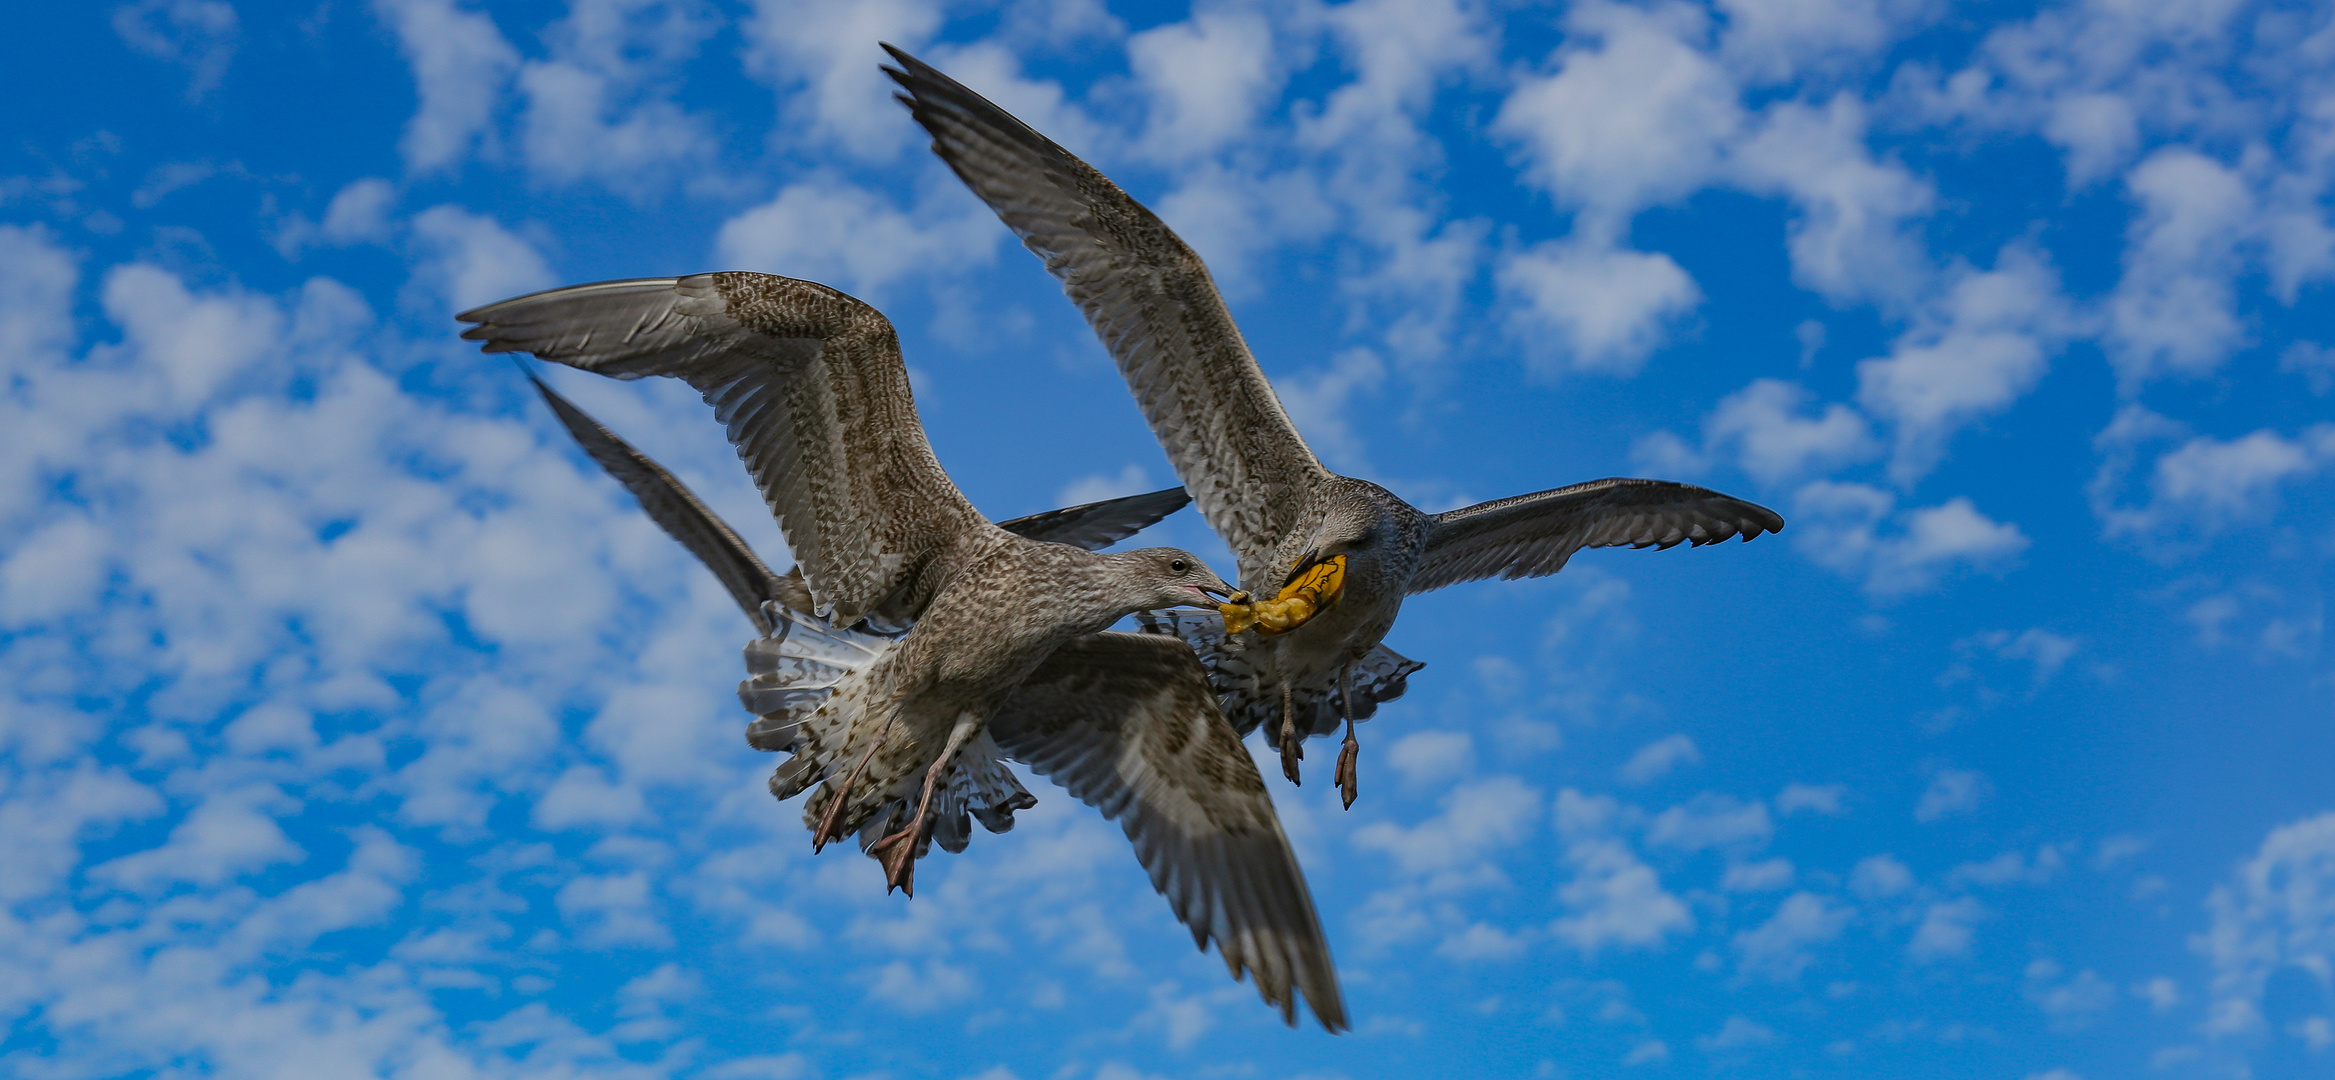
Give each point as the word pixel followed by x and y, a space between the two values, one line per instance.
pixel 1211 595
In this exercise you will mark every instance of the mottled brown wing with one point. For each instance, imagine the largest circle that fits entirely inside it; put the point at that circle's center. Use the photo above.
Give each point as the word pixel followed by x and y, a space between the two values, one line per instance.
pixel 811 387
pixel 1150 299
pixel 1533 535
pixel 1126 723
pixel 678 511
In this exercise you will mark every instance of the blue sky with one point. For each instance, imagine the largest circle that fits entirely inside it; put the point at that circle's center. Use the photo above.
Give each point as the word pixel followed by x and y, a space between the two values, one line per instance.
pixel 351 724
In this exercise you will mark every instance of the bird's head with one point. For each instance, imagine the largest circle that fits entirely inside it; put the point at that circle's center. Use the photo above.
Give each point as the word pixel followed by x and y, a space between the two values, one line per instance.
pixel 1173 577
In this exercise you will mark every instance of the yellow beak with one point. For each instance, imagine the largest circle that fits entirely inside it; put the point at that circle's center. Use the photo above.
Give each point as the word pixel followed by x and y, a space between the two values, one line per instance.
pixel 1312 593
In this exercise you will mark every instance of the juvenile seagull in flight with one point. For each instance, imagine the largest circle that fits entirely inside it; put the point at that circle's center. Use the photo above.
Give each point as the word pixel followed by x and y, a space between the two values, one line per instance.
pixel 1126 722
pixel 1340 553
pixel 813 391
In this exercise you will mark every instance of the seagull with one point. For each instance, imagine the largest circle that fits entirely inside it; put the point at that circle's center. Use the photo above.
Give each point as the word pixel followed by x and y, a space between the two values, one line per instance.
pixel 1338 554
pixel 814 393
pixel 1126 722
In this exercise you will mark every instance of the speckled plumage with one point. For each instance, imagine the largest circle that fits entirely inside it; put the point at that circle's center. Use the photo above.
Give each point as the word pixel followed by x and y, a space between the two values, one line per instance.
pixel 1151 300
pixel 999 627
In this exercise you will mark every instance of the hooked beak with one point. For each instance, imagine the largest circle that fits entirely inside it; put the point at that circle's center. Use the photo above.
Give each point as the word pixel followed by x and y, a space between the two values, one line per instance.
pixel 1305 562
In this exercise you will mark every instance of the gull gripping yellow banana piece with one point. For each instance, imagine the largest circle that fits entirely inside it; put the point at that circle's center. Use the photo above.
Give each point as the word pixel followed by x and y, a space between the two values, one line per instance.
pixel 1311 594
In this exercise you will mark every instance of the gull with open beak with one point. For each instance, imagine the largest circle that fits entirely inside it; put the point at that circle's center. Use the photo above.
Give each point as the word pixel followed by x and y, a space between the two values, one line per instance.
pixel 1339 554
pixel 813 391
pixel 1126 723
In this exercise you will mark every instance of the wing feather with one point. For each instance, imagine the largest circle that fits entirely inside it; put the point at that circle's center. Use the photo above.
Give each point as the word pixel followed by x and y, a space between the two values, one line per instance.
pixel 811 388
pixel 1127 724
pixel 1533 535
pixel 679 512
pixel 1151 301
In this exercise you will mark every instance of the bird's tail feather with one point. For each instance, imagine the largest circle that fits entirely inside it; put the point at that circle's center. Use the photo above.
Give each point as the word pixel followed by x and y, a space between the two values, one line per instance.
pixel 1381 676
pixel 805 700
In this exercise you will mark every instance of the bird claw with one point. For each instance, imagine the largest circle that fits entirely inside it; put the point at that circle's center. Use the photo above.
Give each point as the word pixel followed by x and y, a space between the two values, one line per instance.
pixel 898 854
pixel 1292 752
pixel 1348 785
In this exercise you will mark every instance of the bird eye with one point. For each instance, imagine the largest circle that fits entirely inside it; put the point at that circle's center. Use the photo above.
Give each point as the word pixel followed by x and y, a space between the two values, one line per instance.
pixel 1179 566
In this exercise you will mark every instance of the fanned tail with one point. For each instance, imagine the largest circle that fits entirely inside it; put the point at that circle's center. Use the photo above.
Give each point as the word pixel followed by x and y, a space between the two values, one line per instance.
pixel 1380 677
pixel 803 688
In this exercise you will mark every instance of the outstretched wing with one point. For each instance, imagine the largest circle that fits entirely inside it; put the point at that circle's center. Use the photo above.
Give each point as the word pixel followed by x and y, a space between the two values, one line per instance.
pixel 809 383
pixel 1126 723
pixel 1150 299
pixel 1533 535
pixel 679 512
pixel 1097 525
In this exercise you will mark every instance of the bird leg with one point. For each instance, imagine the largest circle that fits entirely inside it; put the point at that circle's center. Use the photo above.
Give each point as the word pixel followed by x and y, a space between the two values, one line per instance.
pixel 1292 744
pixel 1352 751
pixel 898 851
pixel 829 820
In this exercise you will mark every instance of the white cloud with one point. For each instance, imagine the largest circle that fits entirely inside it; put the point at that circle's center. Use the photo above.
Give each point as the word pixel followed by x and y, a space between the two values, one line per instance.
pixel 1985 346
pixel 197 343
pixel 1853 240
pixel 2047 652
pixel 36 289
pixel 2173 313
pixel 1775 443
pixel 2313 361
pixel 2069 1002
pixel 1711 821
pixel 1779 40
pixel 1951 792
pixel 1647 1052
pixel 835 232
pixel 1659 758
pixel 198 34
pixel 1615 899
pixel 593 111
pixel 1821 798
pixel 461 63
pixel 1879 876
pixel 470 259
pixel 1839 528
pixel 1641 118
pixel 2276 913
pixel 1767 876
pixel 1480 819
pixel 1783 947
pixel 1737 1033
pixel 1319 402
pixel 1587 306
pixel 1096 487
pixel 224 836
pixel 1205 78
pixel 829 52
pixel 1427 758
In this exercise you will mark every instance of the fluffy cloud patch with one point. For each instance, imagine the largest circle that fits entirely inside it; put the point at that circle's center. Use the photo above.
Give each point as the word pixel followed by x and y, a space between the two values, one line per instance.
pixel 1639 117
pixel 1775 442
pixel 2174 312
pixel 1784 946
pixel 1841 526
pixel 833 231
pixel 2275 915
pixel 1987 344
pixel 1590 307
pixel 1952 792
pixel 1659 758
pixel 461 63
